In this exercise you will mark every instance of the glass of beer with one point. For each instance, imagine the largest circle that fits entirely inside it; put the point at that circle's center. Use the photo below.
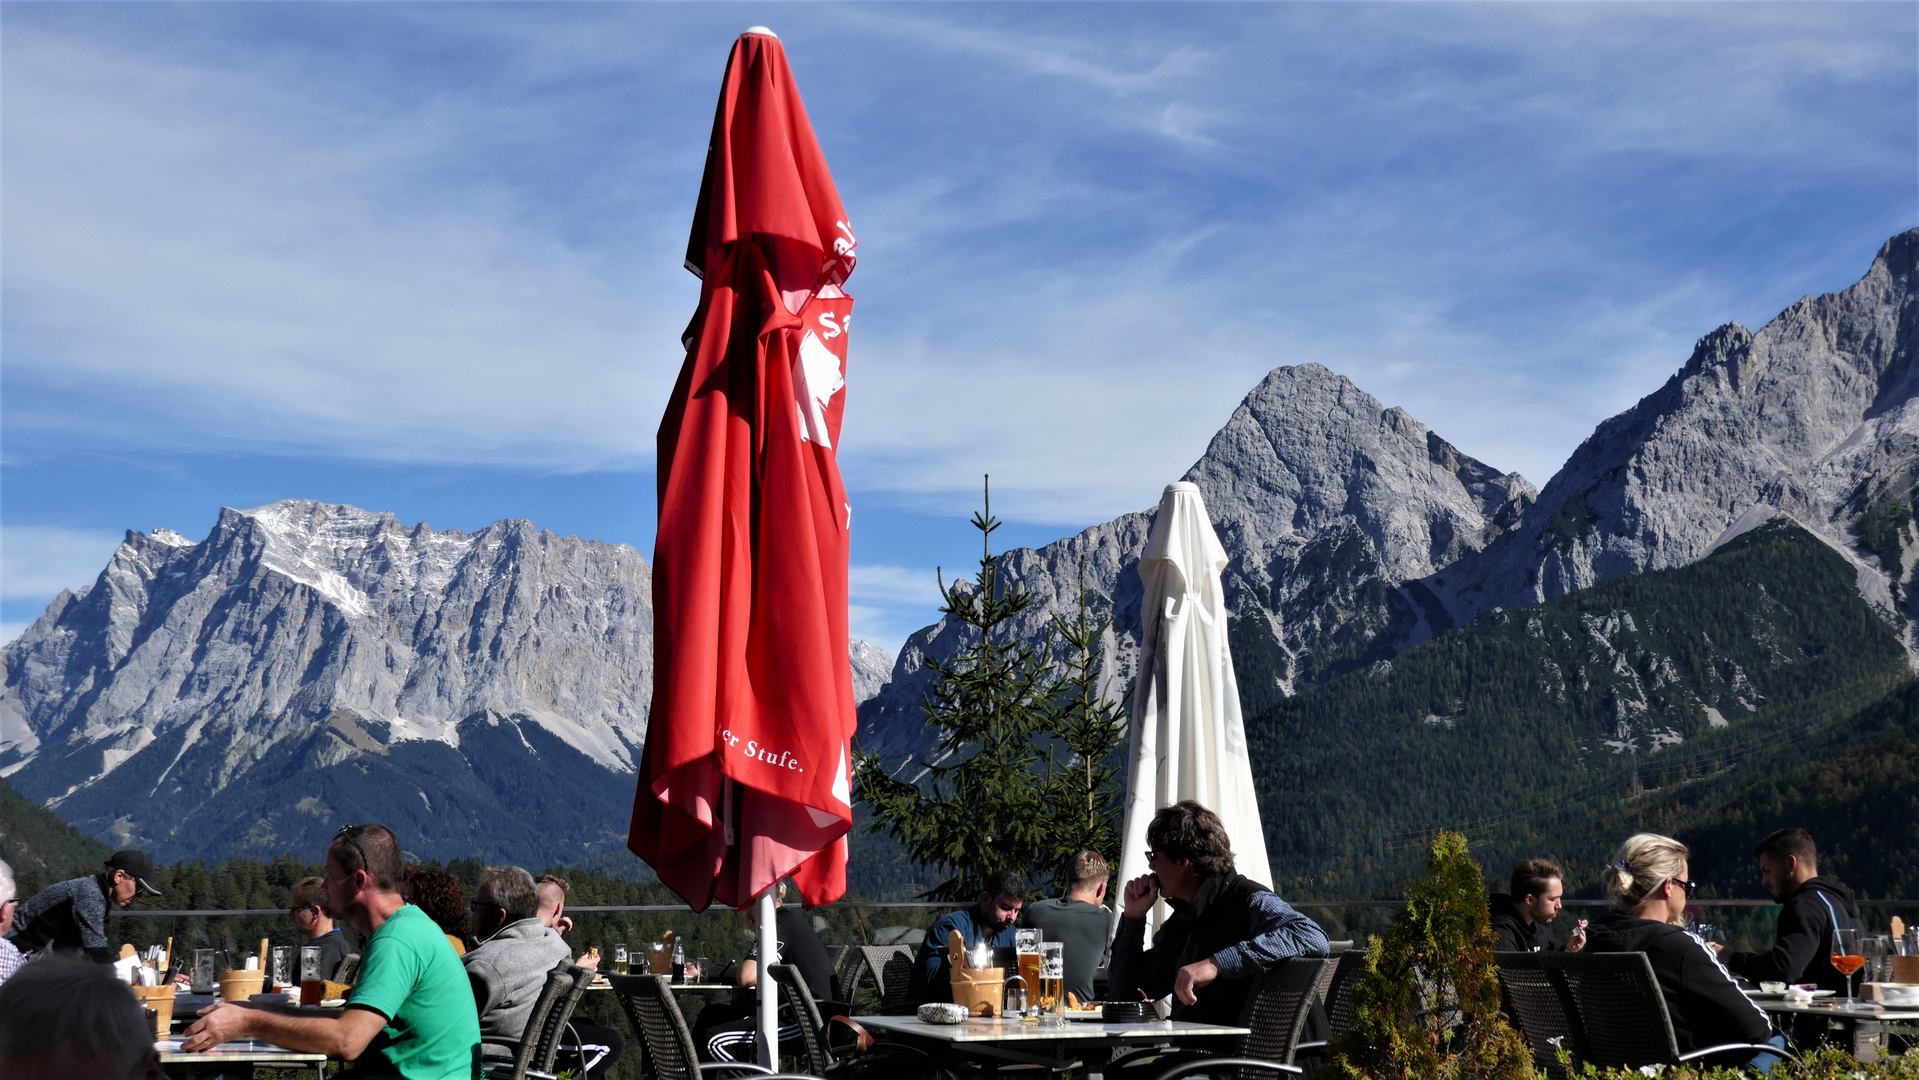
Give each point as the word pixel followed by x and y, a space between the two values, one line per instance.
pixel 619 959
pixel 205 979
pixel 1026 950
pixel 280 967
pixel 1848 955
pixel 312 979
pixel 1052 978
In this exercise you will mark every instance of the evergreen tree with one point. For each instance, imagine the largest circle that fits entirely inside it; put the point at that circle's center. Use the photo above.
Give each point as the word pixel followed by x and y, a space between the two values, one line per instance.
pixel 996 794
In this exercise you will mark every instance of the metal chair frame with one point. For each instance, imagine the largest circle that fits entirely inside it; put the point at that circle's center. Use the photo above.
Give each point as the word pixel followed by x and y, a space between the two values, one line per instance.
pixel 1618 1014
pixel 539 1043
pixel 1276 1010
pixel 655 1015
pixel 813 1026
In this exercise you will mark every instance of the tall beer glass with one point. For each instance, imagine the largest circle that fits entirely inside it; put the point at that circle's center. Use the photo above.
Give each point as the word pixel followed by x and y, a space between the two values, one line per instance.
pixel 1026 949
pixel 1052 976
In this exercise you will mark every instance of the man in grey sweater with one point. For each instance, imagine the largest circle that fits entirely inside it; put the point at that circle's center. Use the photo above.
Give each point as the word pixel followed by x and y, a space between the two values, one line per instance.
pixel 508 968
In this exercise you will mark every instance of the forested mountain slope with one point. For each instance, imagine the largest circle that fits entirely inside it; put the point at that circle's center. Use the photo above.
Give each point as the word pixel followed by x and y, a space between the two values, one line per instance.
pixel 1540 721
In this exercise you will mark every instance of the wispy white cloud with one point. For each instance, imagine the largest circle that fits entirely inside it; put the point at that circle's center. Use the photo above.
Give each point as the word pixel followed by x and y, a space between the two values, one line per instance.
pixel 37 561
pixel 450 233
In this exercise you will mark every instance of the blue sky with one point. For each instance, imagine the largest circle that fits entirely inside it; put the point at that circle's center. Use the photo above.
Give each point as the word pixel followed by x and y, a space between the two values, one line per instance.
pixel 425 258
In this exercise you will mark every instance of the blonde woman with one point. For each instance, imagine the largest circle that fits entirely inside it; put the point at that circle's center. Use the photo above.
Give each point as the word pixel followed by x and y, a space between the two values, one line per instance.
pixel 1650 889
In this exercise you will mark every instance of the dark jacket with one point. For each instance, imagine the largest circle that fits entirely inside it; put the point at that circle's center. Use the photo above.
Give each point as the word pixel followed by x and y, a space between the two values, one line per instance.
pixel 1706 1006
pixel 1802 941
pixel 1515 934
pixel 1233 920
pixel 70 917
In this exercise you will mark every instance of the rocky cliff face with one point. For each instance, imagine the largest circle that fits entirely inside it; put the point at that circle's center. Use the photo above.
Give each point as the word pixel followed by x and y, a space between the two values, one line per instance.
pixel 309 660
pixel 1815 416
pixel 1328 502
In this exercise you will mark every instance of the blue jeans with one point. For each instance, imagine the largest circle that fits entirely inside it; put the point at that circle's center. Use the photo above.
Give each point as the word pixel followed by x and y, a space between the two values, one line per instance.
pixel 1763 1063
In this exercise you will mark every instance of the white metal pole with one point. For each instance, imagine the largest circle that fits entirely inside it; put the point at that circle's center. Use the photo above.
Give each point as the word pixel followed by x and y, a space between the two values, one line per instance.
pixel 769 1003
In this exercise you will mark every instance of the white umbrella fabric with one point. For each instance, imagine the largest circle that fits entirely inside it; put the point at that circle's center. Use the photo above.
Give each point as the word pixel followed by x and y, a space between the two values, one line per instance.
pixel 1188 739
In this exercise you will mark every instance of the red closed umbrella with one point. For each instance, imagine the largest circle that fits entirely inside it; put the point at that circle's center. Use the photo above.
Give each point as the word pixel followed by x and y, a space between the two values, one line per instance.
pixel 744 778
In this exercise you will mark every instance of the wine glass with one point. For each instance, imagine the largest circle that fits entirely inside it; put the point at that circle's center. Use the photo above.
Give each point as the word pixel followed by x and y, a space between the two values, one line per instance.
pixel 1848 955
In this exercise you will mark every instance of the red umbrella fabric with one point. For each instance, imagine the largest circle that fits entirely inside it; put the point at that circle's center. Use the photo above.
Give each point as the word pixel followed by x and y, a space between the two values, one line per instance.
pixel 744 778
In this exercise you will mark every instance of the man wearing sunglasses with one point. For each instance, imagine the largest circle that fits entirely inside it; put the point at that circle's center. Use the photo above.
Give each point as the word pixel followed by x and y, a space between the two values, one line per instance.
pixel 1225 928
pixel 411 1013
pixel 71 917
pixel 315 924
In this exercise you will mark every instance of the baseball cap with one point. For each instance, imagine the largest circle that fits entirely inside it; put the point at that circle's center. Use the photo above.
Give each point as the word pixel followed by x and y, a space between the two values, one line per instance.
pixel 137 866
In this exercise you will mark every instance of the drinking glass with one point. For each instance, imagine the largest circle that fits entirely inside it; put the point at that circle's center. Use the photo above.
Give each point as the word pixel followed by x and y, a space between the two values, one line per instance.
pixel 1848 955
pixel 312 979
pixel 619 959
pixel 1026 945
pixel 205 977
pixel 1052 977
pixel 1878 964
pixel 280 966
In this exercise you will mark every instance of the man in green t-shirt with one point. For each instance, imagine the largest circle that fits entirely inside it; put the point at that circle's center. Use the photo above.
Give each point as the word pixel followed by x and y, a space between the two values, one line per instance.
pixel 411 1014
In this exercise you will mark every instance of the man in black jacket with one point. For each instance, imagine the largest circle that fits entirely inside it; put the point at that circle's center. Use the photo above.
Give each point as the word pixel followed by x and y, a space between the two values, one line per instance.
pixel 1225 929
pixel 1814 907
pixel 1521 917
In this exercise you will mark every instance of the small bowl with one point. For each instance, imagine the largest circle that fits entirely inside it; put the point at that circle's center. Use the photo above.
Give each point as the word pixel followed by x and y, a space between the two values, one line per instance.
pixel 1123 1012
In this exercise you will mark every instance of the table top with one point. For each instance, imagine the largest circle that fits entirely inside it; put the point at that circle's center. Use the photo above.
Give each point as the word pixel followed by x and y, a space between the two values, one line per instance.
pixel 1858 1010
pixel 238 1051
pixel 710 988
pixel 981 1030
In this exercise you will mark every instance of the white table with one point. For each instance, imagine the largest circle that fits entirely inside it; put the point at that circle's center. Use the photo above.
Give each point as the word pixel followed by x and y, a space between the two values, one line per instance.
pixel 1856 1020
pixel 1052 1045
pixel 240 1056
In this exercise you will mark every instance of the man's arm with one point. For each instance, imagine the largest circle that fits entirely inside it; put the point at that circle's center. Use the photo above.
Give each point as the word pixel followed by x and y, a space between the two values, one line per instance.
pixel 344 1035
pixel 1129 967
pixel 1279 932
pixel 90 912
pixel 1795 944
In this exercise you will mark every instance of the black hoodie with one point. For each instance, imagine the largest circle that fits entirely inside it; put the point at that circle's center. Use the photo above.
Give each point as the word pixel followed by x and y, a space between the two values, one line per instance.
pixel 1706 1006
pixel 1802 942
pixel 1515 934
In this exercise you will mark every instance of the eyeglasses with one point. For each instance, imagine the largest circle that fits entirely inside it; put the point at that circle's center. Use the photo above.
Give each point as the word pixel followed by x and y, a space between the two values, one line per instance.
pixel 1690 886
pixel 1150 853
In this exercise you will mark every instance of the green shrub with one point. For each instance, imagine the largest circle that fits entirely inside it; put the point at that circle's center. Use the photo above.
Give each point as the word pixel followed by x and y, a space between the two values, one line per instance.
pixel 1426 1006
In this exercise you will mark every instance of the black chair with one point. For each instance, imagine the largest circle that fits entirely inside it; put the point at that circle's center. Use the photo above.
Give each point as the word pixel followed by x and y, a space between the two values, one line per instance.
pixel 347 971
pixel 814 1027
pixel 650 1007
pixel 1620 1017
pixel 1537 1002
pixel 891 967
pixel 1276 1010
pixel 535 1049
pixel 1336 992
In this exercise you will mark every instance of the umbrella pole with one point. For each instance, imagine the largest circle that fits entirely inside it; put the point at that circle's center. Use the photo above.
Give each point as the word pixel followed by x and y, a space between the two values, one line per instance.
pixel 769 1007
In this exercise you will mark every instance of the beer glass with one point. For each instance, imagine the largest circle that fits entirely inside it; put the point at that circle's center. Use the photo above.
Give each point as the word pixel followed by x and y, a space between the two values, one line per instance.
pixel 205 978
pixel 1026 951
pixel 619 959
pixel 312 979
pixel 1052 977
pixel 280 966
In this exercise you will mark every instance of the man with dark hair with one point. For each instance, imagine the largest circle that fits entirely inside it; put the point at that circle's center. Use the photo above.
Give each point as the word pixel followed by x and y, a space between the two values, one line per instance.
pixel 1814 906
pixel 410 1014
pixel 1520 918
pixel 315 924
pixel 1225 929
pixel 71 917
pixel 1079 920
pixel 991 920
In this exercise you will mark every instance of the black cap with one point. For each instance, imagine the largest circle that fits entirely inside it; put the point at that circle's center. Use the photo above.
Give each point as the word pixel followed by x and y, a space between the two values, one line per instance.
pixel 137 866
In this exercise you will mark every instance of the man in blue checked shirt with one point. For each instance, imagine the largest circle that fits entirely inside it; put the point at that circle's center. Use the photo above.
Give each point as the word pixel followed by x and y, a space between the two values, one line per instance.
pixel 1225 929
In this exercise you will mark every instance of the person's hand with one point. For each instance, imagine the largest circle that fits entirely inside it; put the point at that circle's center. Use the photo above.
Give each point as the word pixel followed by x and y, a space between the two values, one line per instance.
pixel 1140 894
pixel 1192 977
pixel 1717 949
pixel 563 924
pixel 589 960
pixel 220 1022
pixel 1577 940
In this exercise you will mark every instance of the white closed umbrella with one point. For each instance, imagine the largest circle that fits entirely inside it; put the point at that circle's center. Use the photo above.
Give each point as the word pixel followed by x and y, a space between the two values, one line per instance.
pixel 1188 739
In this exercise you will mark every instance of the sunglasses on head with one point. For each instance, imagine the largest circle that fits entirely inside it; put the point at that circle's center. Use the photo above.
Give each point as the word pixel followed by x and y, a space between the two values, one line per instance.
pixel 350 836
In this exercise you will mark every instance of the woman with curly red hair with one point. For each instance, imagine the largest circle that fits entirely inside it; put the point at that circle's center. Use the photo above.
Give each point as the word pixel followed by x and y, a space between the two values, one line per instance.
pixel 437 893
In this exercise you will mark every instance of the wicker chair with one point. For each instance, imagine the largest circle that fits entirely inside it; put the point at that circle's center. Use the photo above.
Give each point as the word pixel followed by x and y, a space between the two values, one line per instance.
pixel 892 968
pixel 650 1007
pixel 347 971
pixel 535 1049
pixel 820 1056
pixel 1620 1017
pixel 1336 991
pixel 1538 1004
pixel 1276 1010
